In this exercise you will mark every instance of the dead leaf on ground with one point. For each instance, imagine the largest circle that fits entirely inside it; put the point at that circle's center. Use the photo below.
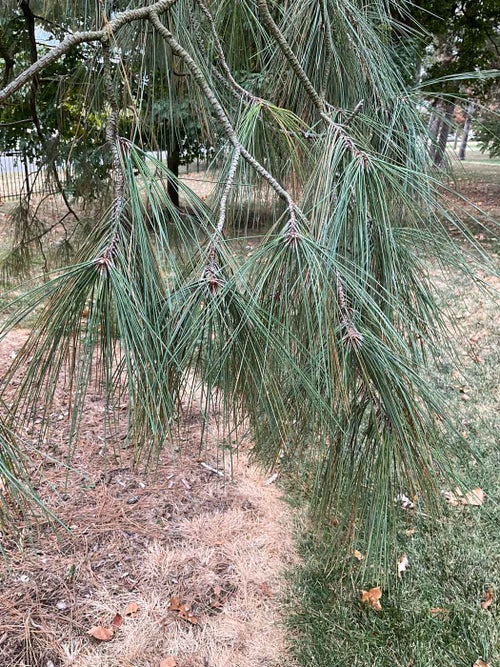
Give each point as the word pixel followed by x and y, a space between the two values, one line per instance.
pixel 271 479
pixel 168 662
pixel 174 604
pixel 358 555
pixel 488 601
pixel 474 498
pixel 403 564
pixel 266 590
pixel 186 613
pixel 101 633
pixel 372 597
pixel 435 611
pixel 410 531
pixel 480 663
pixel 404 502
pixel 131 609
pixel 117 621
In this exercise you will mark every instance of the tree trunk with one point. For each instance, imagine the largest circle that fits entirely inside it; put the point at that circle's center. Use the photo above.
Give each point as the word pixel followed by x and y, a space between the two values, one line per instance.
pixel 173 163
pixel 465 136
pixel 433 129
pixel 444 130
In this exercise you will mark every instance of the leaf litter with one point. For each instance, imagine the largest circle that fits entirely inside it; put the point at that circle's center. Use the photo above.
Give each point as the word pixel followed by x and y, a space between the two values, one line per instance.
pixel 474 498
pixel 170 661
pixel 101 633
pixel 372 598
pixel 402 564
pixel 488 600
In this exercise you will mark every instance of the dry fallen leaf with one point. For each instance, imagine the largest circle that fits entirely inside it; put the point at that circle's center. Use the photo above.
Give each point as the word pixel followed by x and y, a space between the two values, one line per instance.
pixel 372 597
pixel 358 555
pixel 168 662
pixel 186 613
pixel 480 663
pixel 438 610
pixel 174 604
pixel 403 564
pixel 131 609
pixel 404 502
pixel 475 497
pixel 410 531
pixel 103 634
pixel 271 479
pixel 266 590
pixel 117 621
pixel 488 601
pixel 450 497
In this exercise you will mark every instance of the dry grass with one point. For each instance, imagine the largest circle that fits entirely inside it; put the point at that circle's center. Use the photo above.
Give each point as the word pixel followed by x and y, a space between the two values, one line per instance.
pixel 218 543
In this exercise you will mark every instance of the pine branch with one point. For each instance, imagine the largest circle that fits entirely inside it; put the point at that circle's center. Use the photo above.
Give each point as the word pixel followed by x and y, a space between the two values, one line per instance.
pixel 76 38
pixel 291 57
pixel 241 92
pixel 223 118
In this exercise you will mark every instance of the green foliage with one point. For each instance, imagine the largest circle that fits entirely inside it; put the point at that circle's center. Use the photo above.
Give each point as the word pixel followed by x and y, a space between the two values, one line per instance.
pixel 488 133
pixel 450 569
pixel 20 506
pixel 452 562
pixel 319 339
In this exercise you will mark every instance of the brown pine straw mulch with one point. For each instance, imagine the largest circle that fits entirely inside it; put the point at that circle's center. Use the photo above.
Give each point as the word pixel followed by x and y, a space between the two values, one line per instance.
pixel 217 543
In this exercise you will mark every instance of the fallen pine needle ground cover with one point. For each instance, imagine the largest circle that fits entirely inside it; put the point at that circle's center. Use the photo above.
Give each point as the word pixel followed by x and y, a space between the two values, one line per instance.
pixel 182 566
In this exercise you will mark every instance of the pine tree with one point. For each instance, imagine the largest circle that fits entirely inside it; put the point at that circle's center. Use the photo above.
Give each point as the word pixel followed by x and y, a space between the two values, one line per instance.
pixel 320 339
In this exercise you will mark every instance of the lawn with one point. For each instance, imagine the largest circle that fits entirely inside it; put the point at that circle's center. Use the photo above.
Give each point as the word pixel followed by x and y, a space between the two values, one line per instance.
pixel 443 609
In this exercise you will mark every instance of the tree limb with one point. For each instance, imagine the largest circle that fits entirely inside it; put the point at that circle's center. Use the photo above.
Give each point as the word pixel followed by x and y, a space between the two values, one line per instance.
pixel 291 57
pixel 76 38
pixel 221 57
pixel 319 103
pixel 9 62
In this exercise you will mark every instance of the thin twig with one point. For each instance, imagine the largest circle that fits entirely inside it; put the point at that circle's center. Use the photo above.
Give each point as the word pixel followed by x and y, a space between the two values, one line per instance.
pixel 355 112
pixel 328 47
pixel 291 57
pixel 212 469
pixel 351 334
pixel 117 175
pixel 321 105
pixel 227 189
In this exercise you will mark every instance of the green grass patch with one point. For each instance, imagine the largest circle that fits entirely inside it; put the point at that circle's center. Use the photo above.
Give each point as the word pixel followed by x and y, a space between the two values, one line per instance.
pixel 452 565
pixel 453 560
pixel 477 166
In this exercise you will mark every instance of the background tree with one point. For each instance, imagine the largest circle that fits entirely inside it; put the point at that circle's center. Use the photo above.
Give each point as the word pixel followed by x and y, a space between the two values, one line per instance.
pixel 319 339
pixel 460 37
